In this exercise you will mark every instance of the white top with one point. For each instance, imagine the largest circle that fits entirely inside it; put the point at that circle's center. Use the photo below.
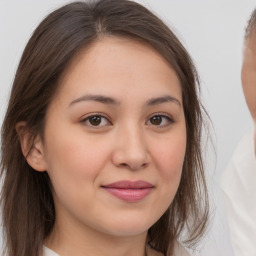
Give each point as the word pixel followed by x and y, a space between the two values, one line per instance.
pixel 49 252
pixel 178 251
pixel 239 185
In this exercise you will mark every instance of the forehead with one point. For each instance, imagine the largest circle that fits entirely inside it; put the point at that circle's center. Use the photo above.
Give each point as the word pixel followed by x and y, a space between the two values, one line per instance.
pixel 112 62
pixel 114 53
pixel 116 45
pixel 250 44
pixel 249 54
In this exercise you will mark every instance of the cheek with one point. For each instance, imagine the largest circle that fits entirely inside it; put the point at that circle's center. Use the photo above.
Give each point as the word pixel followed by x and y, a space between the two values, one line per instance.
pixel 249 89
pixel 170 157
pixel 74 164
pixel 171 153
pixel 72 156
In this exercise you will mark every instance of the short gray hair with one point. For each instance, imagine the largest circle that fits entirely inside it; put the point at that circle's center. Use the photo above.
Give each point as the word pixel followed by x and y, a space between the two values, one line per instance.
pixel 251 25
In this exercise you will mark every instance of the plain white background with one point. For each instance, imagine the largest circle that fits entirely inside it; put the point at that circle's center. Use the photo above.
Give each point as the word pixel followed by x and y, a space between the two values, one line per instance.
pixel 212 31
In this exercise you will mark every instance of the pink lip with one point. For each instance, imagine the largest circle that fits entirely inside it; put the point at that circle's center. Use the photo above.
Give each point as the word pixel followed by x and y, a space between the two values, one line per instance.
pixel 130 191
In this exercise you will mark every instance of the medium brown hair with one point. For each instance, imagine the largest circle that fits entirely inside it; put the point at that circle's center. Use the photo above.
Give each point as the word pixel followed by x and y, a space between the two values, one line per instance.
pixel 28 207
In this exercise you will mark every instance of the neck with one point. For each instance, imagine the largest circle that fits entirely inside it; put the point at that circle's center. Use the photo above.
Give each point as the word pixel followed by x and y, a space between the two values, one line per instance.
pixel 86 241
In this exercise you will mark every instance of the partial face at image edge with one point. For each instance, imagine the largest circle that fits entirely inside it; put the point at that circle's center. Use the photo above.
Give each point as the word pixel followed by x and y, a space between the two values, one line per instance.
pixel 248 76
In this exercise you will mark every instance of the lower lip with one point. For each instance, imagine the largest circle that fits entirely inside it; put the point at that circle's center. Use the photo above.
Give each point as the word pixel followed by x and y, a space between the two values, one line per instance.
pixel 129 194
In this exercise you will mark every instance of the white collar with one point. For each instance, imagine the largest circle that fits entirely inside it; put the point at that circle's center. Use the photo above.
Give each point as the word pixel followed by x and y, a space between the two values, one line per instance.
pixel 49 252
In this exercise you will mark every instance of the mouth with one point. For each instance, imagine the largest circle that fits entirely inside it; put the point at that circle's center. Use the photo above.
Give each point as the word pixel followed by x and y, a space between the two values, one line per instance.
pixel 130 191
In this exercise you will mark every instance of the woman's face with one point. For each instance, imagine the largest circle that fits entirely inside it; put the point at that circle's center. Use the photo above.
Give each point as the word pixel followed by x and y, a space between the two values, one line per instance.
pixel 115 139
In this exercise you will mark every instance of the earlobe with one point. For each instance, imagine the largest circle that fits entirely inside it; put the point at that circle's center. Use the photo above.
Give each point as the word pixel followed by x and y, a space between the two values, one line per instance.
pixel 32 150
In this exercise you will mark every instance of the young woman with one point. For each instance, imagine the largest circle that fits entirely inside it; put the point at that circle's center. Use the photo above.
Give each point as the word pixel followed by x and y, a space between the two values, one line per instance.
pixel 101 140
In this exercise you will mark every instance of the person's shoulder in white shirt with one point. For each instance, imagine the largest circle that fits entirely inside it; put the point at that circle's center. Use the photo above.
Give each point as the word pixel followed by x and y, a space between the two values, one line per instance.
pixel 239 186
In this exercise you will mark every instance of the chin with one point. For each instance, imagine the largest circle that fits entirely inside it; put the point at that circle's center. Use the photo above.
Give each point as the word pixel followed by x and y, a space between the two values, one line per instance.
pixel 128 228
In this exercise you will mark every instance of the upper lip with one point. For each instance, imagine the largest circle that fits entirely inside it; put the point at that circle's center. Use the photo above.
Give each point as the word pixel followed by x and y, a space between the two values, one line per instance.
pixel 126 184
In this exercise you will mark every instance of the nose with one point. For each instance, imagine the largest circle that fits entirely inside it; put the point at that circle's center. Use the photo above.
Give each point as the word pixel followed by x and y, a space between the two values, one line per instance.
pixel 131 149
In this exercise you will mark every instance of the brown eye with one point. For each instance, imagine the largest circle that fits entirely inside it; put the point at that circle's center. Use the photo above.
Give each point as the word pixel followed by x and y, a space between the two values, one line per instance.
pixel 95 120
pixel 160 120
pixel 156 120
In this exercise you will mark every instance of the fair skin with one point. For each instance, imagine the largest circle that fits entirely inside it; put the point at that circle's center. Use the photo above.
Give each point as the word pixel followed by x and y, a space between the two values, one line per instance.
pixel 117 116
pixel 248 75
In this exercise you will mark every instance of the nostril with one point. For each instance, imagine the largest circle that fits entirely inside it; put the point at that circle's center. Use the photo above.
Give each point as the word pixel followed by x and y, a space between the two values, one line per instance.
pixel 123 165
pixel 144 165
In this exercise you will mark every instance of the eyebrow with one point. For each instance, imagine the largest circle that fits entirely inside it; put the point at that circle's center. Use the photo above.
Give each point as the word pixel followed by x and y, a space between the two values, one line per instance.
pixel 109 100
pixel 163 99
pixel 98 98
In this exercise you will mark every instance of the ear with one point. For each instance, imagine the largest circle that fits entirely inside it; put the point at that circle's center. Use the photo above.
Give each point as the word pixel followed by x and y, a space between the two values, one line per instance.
pixel 32 150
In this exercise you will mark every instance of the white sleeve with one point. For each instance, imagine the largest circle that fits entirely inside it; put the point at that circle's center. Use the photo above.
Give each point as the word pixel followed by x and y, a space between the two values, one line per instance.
pixel 239 187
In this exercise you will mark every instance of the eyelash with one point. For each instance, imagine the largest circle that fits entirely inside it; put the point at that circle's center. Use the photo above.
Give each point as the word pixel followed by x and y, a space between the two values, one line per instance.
pixel 98 115
pixel 89 120
pixel 167 118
